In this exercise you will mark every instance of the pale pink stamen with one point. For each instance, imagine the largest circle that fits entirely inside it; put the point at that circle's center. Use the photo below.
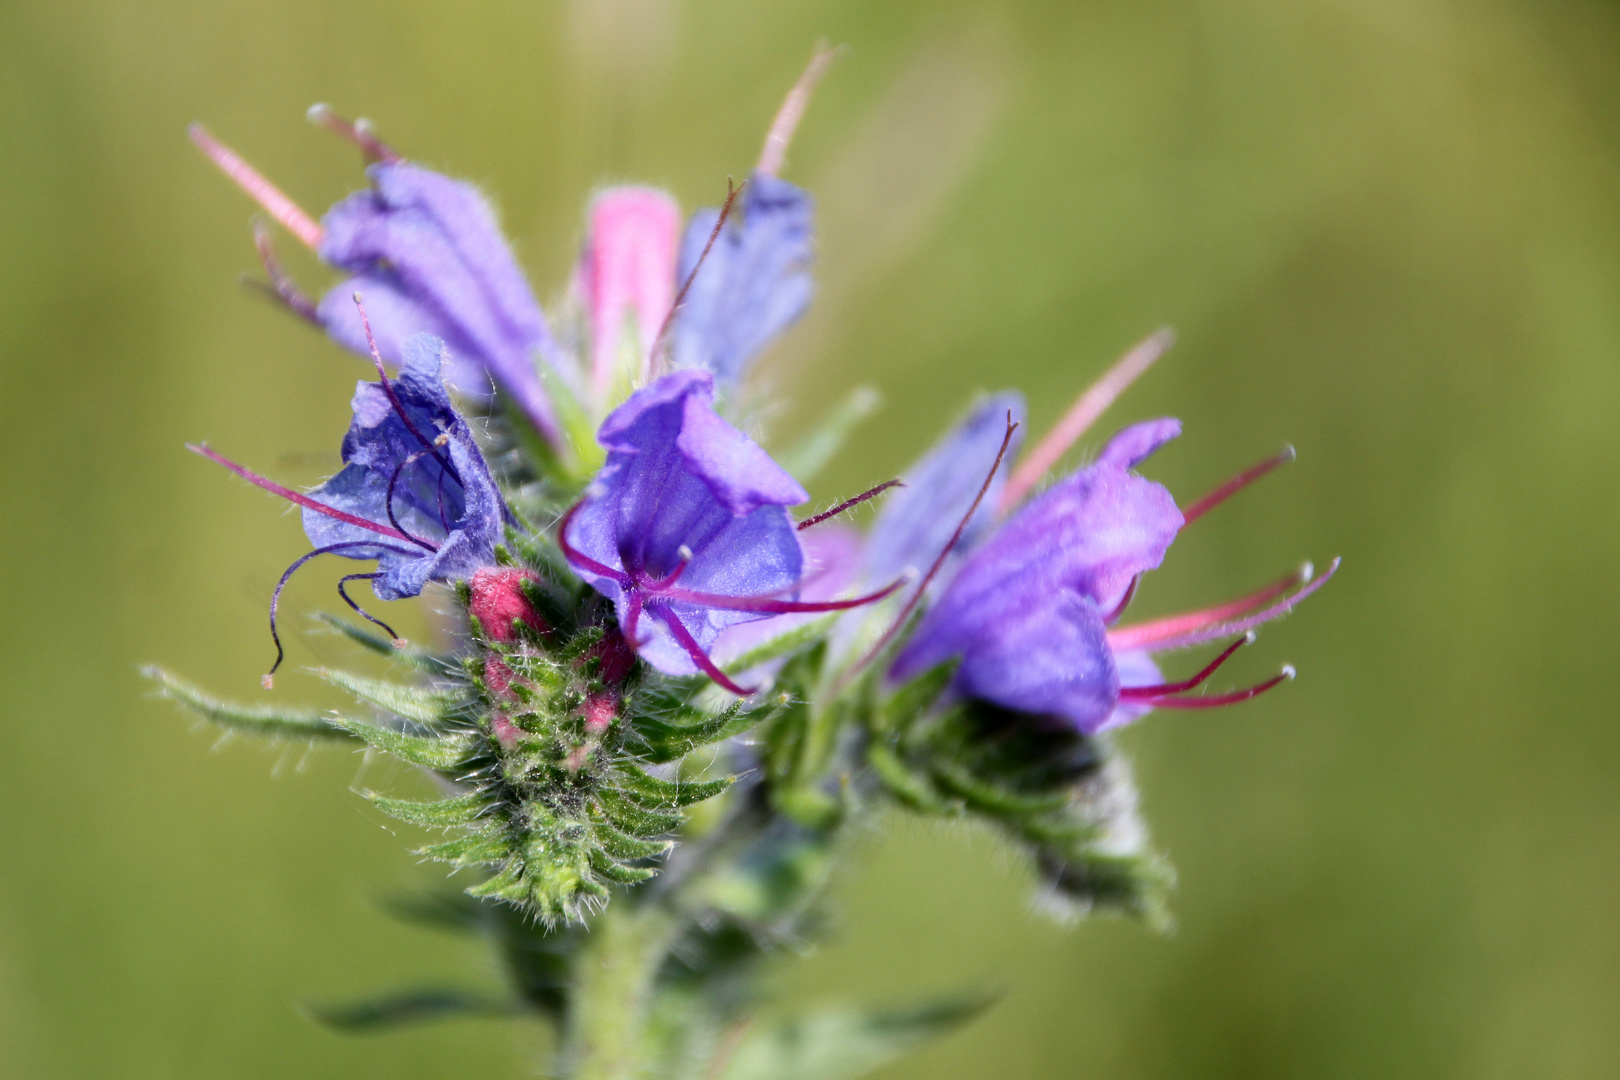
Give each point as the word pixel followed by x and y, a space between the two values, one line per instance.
pixel 292 216
pixel 788 116
pixel 1178 632
pixel 1235 485
pixel 1081 415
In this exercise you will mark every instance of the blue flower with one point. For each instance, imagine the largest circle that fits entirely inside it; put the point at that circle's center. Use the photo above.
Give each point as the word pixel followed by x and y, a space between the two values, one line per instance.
pixel 754 281
pixel 428 256
pixel 414 495
pixel 686 528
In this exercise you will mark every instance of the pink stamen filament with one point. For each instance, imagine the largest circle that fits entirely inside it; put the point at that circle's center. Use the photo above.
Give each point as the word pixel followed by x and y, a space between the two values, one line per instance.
pixel 927 579
pixel 684 638
pixel 772 606
pixel 1216 701
pixel 1235 485
pixel 680 297
pixel 1124 602
pixel 792 111
pixel 1081 415
pixel 1161 689
pixel 1175 633
pixel 1133 637
pixel 393 398
pixel 359 132
pixel 581 560
pixel 291 216
pixel 849 503
pixel 282 286
pixel 303 500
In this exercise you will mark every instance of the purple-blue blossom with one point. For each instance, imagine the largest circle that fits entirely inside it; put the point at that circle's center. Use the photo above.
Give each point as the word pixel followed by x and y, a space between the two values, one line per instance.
pixel 1026 612
pixel 754 281
pixel 686 528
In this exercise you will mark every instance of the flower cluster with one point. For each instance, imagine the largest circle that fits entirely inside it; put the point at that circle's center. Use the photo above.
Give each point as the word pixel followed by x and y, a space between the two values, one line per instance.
pixel 654 593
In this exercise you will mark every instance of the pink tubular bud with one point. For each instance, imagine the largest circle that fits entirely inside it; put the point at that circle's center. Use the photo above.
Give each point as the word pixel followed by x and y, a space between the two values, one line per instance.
pixel 498 601
pixel 628 270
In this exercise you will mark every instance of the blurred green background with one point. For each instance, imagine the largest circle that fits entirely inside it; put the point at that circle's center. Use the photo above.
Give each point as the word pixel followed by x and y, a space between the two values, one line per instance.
pixel 1387 231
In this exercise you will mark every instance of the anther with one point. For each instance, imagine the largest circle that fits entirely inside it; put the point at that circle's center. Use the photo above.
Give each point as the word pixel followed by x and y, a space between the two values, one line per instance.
pixel 291 216
pixel 360 132
pixel 1091 404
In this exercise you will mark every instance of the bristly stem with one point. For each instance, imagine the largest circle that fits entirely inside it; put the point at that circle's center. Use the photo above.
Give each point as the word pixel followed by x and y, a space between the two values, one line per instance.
pixel 612 991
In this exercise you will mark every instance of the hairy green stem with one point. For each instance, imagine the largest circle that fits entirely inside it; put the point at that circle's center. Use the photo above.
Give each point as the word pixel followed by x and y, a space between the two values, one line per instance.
pixel 613 985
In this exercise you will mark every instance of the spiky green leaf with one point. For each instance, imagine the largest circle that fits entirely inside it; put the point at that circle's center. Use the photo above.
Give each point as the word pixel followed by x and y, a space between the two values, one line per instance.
pixel 264 721
pixel 442 752
pixel 440 814
pixel 413 703
pixel 410 1007
pixel 656 793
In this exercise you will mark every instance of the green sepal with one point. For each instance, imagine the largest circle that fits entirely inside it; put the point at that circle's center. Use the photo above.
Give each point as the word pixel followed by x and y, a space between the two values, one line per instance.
pixel 992 798
pixel 915 697
pixel 443 752
pixel 605 867
pixel 419 706
pixel 844 1043
pixel 655 792
pixel 909 787
pixel 665 741
pixel 264 721
pixel 782 644
pixel 620 846
pixel 382 646
pixel 409 1007
pixel 441 814
pixel 627 816
pixel 473 849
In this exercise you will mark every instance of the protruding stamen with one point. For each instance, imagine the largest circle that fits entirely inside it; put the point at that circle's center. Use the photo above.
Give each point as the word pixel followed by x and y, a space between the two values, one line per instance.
pixel 1216 701
pixel 579 559
pixel 1081 415
pixel 684 638
pixel 849 503
pixel 792 111
pixel 1173 633
pixel 269 678
pixel 399 642
pixel 1235 485
pixel 302 500
pixel 1143 634
pixel 680 297
pixel 360 133
pixel 1161 689
pixel 773 606
pixel 1124 602
pixel 430 445
pixel 927 579
pixel 388 499
pixel 291 216
pixel 281 287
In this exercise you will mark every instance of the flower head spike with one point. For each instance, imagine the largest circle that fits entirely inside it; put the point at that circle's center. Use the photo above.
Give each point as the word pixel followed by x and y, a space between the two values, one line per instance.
pixel 685 527
pixel 1026 611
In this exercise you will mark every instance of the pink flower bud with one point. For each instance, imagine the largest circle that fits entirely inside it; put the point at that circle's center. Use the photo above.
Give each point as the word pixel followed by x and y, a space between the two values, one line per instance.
pixel 498 600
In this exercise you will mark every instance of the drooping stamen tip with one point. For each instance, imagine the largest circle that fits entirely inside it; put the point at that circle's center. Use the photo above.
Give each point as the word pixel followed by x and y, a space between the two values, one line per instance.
pixel 400 643
pixel 318 113
pixel 267 681
pixel 1288 673
pixel 1251 637
pixel 684 552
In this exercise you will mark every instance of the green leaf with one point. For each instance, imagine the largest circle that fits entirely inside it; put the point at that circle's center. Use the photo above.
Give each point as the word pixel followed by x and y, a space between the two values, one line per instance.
pixel 604 867
pixel 475 849
pixel 263 720
pixel 671 742
pixel 435 752
pixel 620 846
pixel 810 455
pixel 651 791
pixel 414 704
pixel 628 817
pixel 782 644
pixel 382 646
pixel 409 1007
pixel 992 798
pixel 843 1043
pixel 441 814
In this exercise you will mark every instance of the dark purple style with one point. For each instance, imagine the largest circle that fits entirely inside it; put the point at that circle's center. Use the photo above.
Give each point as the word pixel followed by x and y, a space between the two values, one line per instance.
pixel 755 281
pixel 414 495
pixel 428 256
pixel 1026 613
pixel 686 527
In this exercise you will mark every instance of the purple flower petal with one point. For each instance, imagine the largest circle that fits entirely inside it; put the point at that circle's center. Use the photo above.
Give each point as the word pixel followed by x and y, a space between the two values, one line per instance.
pixel 755 282
pixel 434 245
